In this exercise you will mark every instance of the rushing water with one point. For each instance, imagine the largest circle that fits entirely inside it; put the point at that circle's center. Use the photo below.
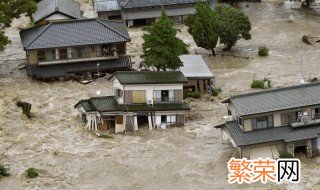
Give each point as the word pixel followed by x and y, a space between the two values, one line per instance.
pixel 193 157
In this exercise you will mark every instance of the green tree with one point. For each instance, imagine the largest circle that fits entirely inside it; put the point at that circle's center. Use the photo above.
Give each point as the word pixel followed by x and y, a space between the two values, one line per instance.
pixel 10 9
pixel 307 3
pixel 161 47
pixel 233 25
pixel 203 27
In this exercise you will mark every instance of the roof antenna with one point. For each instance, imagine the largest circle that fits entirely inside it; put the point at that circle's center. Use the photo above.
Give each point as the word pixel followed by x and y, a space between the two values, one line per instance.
pixel 301 77
pixel 98 92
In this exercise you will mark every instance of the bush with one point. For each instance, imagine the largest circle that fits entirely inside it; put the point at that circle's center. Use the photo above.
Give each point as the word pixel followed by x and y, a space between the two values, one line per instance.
pixel 286 155
pixel 4 171
pixel 195 95
pixel 216 91
pixel 106 136
pixel 32 173
pixel 262 84
pixel 263 51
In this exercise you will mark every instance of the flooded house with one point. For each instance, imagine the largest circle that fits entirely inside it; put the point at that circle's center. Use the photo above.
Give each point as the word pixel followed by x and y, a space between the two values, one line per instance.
pixel 137 12
pixel 196 70
pixel 152 99
pixel 274 122
pixel 55 10
pixel 75 47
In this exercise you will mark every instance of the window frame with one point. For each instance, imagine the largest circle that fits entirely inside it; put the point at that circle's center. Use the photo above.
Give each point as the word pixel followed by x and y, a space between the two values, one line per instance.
pixel 262 122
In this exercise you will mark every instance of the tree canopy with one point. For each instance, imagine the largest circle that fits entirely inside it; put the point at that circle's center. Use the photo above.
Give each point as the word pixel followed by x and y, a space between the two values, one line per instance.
pixel 203 27
pixel 225 23
pixel 161 47
pixel 10 9
pixel 233 25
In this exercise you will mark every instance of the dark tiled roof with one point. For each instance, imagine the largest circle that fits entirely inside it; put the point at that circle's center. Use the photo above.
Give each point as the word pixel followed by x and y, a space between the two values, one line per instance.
pixel 46 8
pixel 54 71
pixel 149 77
pixel 106 5
pixel 285 133
pixel 109 104
pixel 100 104
pixel 74 33
pixel 156 107
pixel 276 99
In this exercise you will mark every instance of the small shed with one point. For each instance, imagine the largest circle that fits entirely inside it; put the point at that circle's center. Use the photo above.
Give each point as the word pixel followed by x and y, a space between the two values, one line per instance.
pixel 198 74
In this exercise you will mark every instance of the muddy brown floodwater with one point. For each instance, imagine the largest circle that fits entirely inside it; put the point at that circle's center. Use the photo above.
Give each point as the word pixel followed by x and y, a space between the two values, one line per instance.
pixel 194 157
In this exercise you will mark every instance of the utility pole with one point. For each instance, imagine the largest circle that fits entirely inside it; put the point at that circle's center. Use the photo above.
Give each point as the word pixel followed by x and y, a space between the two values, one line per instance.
pixel 301 68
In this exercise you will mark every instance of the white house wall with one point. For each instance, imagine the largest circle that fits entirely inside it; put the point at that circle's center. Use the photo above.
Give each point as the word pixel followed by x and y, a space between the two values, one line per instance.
pixel 58 17
pixel 150 88
pixel 117 85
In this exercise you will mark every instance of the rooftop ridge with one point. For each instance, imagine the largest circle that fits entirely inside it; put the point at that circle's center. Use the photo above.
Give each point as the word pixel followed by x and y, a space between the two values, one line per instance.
pixel 274 90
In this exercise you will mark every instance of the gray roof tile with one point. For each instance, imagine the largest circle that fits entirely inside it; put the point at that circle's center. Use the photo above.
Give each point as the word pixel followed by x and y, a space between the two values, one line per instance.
pixel 283 133
pixel 110 104
pixel 54 71
pixel 74 33
pixel 149 77
pixel 46 8
pixel 276 99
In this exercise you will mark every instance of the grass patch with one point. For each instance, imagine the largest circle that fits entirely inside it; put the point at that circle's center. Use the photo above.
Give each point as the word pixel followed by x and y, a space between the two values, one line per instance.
pixel 4 171
pixel 32 173
pixel 286 155
pixel 216 91
pixel 195 95
pixel 106 136
pixel 261 84
pixel 263 51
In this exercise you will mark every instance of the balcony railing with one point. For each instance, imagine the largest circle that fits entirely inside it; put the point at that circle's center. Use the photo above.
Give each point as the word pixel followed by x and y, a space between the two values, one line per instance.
pixel 77 57
pixel 303 120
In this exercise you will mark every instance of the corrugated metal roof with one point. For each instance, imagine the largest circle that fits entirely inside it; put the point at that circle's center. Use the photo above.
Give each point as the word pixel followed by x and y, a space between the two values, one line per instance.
pixel 46 8
pixel 149 77
pixel 54 71
pixel 276 99
pixel 74 33
pixel 285 133
pixel 195 67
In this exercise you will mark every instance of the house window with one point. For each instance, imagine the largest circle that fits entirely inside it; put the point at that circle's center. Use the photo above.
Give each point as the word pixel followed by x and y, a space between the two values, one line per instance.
pixel 50 55
pixel 41 55
pixel 229 112
pixel 240 121
pixel 139 96
pixel 118 93
pixel 290 117
pixel 76 53
pixel 63 53
pixel 171 119
pixel 163 95
pixel 262 122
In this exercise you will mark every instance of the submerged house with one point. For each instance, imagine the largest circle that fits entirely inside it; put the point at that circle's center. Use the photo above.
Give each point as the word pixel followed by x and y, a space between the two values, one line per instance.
pixel 54 10
pixel 274 122
pixel 141 98
pixel 199 76
pixel 66 48
pixel 145 11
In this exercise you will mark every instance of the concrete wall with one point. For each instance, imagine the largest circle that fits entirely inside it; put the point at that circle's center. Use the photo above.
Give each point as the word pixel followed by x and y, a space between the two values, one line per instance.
pixel 281 145
pixel 32 57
